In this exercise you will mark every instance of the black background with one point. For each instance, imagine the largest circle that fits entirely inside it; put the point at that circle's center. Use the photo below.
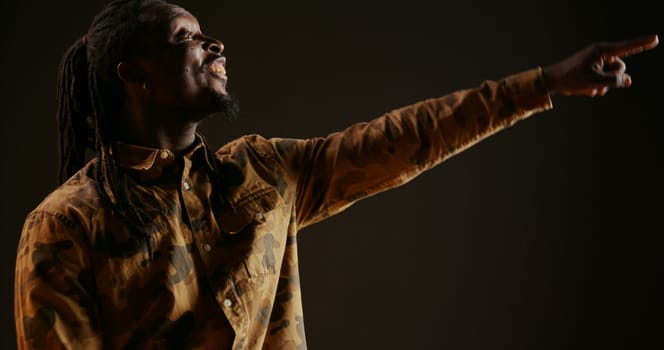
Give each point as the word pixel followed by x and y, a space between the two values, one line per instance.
pixel 544 236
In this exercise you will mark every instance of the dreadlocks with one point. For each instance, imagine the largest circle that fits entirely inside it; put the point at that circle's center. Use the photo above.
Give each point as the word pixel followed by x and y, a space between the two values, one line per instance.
pixel 90 96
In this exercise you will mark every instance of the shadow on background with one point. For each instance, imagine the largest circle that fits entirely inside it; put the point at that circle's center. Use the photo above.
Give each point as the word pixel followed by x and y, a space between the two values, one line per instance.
pixel 544 236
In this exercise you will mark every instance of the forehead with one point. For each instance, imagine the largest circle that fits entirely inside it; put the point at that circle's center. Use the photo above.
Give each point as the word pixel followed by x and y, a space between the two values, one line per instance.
pixel 165 18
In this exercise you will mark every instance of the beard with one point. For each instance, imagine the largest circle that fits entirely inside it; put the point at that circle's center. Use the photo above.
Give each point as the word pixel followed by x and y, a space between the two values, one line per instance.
pixel 226 105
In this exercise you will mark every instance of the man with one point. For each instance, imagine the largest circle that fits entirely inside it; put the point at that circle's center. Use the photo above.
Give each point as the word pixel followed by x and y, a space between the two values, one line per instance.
pixel 158 242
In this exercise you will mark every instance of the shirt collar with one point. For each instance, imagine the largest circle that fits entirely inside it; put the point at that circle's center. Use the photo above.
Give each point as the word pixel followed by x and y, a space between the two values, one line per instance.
pixel 150 163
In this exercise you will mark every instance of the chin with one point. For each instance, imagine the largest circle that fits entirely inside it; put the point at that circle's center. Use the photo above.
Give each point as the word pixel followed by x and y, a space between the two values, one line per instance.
pixel 226 104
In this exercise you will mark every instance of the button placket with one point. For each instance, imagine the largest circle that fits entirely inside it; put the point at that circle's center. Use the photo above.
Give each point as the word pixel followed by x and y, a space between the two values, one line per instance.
pixel 229 298
pixel 186 185
pixel 228 302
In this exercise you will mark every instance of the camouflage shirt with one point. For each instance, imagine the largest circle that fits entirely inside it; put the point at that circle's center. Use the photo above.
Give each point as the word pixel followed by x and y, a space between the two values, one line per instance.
pixel 215 274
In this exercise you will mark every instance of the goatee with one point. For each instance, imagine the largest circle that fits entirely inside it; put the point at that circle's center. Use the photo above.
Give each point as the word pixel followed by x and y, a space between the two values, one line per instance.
pixel 228 105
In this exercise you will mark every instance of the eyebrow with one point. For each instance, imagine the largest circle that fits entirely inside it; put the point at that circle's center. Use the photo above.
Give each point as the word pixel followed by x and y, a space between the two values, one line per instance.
pixel 179 28
pixel 182 30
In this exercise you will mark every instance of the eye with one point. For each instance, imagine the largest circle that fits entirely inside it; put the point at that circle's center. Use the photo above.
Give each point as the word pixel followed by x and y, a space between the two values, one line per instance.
pixel 185 36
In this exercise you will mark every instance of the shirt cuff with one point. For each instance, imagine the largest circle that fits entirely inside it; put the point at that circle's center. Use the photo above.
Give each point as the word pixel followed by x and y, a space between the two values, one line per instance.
pixel 528 91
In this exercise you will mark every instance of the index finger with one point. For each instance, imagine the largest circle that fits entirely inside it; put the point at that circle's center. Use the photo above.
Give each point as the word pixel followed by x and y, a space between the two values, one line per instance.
pixel 630 47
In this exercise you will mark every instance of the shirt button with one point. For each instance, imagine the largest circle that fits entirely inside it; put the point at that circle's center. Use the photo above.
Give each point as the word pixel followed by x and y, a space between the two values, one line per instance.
pixel 259 216
pixel 164 155
pixel 207 248
pixel 228 303
pixel 186 185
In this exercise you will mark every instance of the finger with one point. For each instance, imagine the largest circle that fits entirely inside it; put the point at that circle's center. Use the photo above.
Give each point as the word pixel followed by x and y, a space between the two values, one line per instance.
pixel 613 79
pixel 603 91
pixel 629 47
pixel 614 64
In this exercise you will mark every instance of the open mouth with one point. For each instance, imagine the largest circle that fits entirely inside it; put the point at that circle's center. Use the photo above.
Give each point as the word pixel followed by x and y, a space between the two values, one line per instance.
pixel 216 65
pixel 217 68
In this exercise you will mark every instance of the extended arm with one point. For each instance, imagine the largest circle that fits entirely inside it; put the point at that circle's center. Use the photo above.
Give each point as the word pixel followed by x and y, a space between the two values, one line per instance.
pixel 367 158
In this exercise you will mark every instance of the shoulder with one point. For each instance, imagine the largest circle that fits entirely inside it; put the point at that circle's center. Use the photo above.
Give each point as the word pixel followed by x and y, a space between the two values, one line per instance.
pixel 256 146
pixel 253 165
pixel 73 201
pixel 244 144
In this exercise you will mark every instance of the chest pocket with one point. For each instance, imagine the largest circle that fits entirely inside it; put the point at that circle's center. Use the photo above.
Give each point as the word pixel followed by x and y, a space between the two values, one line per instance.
pixel 256 226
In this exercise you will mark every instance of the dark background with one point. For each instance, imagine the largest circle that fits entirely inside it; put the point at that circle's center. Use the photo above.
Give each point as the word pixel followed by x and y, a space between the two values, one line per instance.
pixel 545 236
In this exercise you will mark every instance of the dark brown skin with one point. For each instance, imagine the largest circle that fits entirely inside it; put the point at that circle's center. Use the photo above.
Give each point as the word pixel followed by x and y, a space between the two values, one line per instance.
pixel 170 91
pixel 595 69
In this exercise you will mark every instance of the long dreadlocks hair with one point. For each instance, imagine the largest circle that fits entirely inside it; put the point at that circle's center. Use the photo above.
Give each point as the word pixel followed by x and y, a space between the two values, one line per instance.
pixel 90 98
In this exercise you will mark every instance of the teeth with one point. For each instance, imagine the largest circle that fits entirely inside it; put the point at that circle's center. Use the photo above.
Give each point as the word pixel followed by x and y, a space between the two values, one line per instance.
pixel 217 68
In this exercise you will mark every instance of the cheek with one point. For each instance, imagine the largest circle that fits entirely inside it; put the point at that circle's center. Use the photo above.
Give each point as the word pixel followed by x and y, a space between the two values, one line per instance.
pixel 189 81
pixel 179 85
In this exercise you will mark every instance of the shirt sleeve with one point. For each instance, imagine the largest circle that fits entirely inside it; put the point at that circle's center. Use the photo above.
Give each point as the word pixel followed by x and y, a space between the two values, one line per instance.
pixel 54 289
pixel 333 172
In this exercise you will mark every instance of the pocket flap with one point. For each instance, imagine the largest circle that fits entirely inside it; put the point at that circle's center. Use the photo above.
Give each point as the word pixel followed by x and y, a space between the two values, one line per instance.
pixel 251 209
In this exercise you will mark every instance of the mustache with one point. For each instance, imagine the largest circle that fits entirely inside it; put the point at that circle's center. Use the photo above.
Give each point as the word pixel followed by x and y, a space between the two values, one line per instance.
pixel 213 59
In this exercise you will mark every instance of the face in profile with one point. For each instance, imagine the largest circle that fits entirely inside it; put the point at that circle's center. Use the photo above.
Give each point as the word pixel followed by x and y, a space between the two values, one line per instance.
pixel 184 70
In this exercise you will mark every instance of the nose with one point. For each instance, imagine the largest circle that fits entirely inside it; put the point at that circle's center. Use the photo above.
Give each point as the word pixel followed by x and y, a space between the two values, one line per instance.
pixel 213 45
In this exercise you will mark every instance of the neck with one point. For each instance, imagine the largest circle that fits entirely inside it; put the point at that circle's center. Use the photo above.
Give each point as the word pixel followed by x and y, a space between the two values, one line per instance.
pixel 175 140
pixel 165 133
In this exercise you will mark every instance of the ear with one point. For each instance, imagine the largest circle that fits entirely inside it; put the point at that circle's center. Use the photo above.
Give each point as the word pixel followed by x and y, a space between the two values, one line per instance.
pixel 129 74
